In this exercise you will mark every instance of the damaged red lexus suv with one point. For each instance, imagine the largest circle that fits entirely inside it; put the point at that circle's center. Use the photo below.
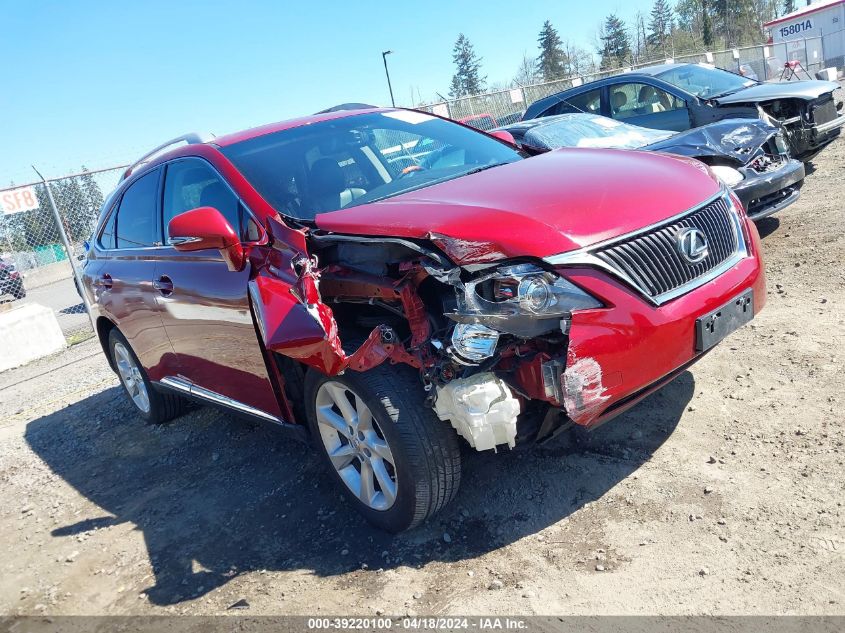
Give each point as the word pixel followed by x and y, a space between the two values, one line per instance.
pixel 389 284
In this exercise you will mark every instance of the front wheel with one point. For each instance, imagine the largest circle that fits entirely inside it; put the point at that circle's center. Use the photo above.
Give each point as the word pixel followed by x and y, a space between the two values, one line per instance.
pixel 395 460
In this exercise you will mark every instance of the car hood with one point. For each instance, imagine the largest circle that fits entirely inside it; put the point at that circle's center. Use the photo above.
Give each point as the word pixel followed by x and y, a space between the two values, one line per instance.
pixel 780 90
pixel 739 139
pixel 554 203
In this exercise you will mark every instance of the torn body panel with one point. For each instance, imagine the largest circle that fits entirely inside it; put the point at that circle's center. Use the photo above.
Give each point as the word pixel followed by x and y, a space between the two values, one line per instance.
pixel 306 330
pixel 293 320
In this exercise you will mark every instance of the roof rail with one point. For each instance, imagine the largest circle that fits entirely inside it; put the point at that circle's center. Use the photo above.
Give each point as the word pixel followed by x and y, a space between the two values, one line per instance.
pixel 347 106
pixel 191 139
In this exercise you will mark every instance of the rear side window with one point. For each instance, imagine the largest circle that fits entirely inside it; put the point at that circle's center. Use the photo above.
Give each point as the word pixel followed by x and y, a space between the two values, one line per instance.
pixel 589 102
pixel 628 100
pixel 134 224
pixel 107 237
pixel 192 183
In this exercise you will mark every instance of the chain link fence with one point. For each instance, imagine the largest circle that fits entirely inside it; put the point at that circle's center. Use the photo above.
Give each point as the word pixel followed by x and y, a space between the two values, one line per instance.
pixel 43 229
pixel 762 62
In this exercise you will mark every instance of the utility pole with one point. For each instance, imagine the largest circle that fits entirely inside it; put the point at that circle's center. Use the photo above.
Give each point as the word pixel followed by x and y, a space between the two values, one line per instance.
pixel 384 55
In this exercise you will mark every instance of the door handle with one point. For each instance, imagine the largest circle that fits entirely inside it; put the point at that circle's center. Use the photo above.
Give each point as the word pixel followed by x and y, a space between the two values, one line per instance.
pixel 104 281
pixel 164 285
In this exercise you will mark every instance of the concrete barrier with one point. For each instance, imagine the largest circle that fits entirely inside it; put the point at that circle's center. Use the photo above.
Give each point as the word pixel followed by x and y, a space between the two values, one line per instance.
pixel 827 74
pixel 28 332
pixel 45 275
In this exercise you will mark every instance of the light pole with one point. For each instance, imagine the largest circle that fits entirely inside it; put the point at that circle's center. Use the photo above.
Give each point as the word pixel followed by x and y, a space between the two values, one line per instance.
pixel 384 55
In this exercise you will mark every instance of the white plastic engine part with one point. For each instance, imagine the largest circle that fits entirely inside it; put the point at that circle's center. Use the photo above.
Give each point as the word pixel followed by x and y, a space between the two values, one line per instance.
pixel 481 408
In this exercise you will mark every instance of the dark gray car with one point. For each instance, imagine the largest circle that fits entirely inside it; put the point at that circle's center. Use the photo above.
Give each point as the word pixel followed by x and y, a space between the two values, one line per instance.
pixel 678 97
pixel 749 156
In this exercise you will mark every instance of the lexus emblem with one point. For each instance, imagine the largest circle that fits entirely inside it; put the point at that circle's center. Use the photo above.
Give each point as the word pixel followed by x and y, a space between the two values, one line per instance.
pixel 692 245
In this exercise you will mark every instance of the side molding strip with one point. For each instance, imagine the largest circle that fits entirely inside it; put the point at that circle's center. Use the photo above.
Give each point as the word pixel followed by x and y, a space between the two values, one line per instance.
pixel 205 394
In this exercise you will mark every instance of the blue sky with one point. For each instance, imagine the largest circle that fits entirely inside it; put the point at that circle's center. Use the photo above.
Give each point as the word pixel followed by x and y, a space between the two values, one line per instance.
pixel 99 83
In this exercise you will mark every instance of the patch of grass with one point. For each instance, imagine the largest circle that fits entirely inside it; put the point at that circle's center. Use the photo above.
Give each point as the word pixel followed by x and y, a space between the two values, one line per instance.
pixel 79 337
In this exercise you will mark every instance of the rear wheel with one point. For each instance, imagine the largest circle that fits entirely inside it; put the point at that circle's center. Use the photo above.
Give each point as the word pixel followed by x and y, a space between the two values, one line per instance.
pixel 154 406
pixel 394 459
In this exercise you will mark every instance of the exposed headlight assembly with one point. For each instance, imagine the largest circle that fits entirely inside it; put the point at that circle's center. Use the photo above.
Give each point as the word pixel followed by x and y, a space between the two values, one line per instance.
pixel 728 175
pixel 520 299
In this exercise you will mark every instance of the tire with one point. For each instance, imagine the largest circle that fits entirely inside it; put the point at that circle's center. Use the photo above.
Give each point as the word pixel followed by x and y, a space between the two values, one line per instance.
pixel 160 406
pixel 425 451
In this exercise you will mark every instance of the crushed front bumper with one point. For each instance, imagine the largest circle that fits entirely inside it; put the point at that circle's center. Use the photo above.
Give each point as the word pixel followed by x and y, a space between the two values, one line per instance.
pixel 763 194
pixel 619 354
pixel 824 128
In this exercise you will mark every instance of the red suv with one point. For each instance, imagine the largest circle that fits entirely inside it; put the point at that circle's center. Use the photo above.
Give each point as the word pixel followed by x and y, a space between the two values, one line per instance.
pixel 386 282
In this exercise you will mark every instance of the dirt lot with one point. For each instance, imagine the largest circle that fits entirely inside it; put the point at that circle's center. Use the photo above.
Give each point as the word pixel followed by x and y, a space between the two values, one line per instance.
pixel 721 494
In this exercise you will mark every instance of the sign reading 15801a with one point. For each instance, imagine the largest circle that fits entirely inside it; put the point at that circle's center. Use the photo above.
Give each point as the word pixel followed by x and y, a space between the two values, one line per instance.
pixel 798 27
pixel 17 200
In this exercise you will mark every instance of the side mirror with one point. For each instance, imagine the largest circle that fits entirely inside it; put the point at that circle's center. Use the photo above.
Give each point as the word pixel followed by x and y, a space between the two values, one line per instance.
pixel 504 135
pixel 203 228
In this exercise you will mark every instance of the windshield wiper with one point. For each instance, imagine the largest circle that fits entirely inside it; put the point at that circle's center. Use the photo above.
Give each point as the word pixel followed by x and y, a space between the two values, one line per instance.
pixel 476 170
pixel 726 93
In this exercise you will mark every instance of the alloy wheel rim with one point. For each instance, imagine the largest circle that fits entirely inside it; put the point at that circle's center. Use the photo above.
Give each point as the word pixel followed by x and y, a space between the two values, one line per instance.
pixel 130 376
pixel 356 445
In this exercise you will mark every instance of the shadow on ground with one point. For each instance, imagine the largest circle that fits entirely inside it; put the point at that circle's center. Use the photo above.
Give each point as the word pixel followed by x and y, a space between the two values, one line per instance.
pixel 79 308
pixel 767 226
pixel 214 493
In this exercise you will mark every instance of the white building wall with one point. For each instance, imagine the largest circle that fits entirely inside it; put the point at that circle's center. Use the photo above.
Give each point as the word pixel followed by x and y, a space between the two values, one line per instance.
pixel 828 23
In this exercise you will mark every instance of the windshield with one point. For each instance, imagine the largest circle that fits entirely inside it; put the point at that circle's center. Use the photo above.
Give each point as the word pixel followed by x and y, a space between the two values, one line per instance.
pixel 361 158
pixel 705 81
pixel 590 130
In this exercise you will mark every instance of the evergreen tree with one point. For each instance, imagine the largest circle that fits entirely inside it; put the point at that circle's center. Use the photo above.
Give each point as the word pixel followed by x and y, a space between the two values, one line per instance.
pixel 706 26
pixel 660 26
pixel 616 48
pixel 92 191
pixel 74 209
pixel 467 79
pixel 552 63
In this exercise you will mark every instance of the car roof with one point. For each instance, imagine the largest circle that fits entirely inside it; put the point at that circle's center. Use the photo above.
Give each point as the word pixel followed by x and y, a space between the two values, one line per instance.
pixel 656 70
pixel 540 105
pixel 270 128
pixel 165 152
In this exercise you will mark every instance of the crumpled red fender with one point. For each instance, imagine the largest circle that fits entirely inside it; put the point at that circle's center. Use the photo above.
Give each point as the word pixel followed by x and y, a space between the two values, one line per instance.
pixel 293 320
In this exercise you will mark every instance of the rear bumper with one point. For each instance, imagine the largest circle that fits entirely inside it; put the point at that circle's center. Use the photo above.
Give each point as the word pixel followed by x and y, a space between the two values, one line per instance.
pixel 619 354
pixel 763 194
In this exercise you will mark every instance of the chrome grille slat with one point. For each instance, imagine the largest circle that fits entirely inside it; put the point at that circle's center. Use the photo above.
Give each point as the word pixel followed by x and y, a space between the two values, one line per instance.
pixel 615 261
pixel 652 262
pixel 666 243
pixel 643 269
pixel 715 233
pixel 666 281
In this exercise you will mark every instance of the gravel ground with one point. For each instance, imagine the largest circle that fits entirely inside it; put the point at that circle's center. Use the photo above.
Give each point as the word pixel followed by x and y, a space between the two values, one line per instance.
pixel 720 494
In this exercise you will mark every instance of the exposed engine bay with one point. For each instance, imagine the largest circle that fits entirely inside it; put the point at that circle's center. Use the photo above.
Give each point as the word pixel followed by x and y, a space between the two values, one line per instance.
pixel 490 345
pixel 803 122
